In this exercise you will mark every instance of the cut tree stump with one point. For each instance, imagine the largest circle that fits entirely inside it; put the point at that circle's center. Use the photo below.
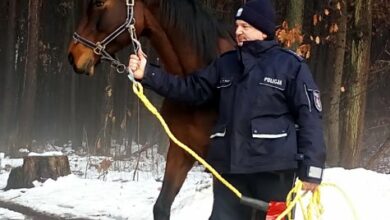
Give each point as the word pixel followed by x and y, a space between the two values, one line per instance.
pixel 38 168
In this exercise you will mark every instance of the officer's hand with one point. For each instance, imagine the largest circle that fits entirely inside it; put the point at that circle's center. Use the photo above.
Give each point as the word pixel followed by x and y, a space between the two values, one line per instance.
pixel 307 186
pixel 137 64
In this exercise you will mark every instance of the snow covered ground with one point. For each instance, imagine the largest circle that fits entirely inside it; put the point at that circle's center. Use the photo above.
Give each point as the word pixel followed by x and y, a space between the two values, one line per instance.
pixel 115 195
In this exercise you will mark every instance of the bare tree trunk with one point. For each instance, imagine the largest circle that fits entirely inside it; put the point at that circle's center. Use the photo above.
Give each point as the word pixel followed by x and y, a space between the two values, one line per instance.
pixel 385 147
pixel 295 17
pixel 8 107
pixel 76 125
pixel 357 84
pixel 26 117
pixel 103 145
pixel 319 52
pixel 66 81
pixel 335 71
pixel 295 12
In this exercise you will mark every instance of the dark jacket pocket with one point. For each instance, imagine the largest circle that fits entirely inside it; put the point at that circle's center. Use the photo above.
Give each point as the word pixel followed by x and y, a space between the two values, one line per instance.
pixel 269 128
pixel 268 134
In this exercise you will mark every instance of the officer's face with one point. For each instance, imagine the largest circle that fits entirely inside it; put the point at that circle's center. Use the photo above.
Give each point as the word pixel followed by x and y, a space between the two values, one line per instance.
pixel 246 32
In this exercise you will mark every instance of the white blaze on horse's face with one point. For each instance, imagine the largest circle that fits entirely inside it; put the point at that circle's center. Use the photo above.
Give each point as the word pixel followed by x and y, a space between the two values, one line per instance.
pixel 246 32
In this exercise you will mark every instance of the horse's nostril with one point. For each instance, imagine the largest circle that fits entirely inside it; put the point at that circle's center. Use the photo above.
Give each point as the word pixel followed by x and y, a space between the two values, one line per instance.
pixel 70 58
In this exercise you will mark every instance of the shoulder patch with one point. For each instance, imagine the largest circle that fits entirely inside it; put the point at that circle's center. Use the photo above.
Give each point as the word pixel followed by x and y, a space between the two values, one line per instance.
pixel 297 56
pixel 317 100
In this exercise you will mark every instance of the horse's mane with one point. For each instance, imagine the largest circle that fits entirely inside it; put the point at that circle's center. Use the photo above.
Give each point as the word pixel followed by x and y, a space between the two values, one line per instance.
pixel 194 22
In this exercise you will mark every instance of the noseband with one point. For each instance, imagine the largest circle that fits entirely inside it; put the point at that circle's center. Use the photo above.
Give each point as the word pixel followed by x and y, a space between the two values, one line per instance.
pixel 99 48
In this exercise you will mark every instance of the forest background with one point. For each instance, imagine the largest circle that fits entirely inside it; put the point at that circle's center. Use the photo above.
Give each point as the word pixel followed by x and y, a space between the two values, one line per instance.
pixel 43 102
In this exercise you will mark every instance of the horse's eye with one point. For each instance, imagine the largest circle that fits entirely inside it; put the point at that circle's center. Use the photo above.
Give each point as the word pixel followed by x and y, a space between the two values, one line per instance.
pixel 99 3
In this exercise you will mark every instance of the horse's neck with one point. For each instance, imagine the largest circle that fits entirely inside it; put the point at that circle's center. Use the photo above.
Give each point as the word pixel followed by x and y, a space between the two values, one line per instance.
pixel 189 60
pixel 176 54
pixel 162 44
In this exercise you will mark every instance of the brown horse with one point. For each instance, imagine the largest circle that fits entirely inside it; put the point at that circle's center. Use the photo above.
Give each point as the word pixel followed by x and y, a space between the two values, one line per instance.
pixel 186 38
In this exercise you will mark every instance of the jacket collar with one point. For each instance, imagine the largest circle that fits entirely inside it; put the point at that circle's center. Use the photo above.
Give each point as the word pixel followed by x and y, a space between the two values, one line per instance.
pixel 251 51
pixel 257 47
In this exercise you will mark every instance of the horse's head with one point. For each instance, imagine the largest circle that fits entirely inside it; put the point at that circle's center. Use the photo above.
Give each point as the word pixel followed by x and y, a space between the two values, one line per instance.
pixel 103 31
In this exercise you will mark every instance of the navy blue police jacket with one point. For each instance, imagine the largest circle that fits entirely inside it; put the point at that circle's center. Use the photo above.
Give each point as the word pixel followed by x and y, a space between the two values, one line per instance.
pixel 269 109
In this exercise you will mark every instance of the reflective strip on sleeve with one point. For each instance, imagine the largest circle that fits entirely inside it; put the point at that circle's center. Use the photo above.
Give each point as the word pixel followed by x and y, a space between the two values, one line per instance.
pixel 315 172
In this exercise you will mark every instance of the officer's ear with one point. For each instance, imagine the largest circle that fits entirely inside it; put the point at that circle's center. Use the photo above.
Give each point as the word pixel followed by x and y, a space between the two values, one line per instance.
pixel 262 36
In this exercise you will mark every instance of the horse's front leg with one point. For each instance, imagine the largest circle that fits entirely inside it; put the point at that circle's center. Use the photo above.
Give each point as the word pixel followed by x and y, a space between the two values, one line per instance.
pixel 177 166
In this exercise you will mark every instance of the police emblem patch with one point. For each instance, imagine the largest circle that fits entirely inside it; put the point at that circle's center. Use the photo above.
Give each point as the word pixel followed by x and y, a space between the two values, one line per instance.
pixel 317 100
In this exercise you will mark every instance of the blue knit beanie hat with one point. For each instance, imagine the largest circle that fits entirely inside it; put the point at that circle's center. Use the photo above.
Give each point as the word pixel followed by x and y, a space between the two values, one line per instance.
pixel 260 14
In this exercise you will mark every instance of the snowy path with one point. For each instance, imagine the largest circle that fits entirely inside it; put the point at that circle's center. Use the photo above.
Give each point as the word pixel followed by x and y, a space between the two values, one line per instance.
pixel 118 197
pixel 15 211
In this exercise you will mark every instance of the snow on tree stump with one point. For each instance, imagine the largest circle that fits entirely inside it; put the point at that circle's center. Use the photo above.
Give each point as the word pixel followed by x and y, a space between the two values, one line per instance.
pixel 38 168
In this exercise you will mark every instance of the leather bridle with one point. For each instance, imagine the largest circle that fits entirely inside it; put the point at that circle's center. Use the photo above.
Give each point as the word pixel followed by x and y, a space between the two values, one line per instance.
pixel 99 48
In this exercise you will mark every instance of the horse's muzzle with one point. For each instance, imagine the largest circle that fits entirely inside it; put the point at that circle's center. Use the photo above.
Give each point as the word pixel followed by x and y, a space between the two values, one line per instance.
pixel 85 69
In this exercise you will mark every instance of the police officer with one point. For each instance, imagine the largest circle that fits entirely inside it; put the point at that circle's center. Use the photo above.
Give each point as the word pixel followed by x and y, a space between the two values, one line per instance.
pixel 269 126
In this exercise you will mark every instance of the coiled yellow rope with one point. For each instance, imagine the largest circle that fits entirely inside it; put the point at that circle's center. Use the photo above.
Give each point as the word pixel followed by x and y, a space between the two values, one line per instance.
pixel 314 208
